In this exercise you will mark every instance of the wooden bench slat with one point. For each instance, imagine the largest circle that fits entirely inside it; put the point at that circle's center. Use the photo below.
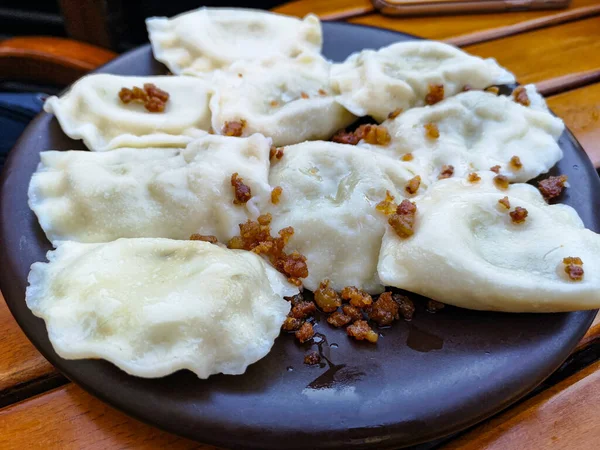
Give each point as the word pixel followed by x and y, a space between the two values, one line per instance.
pixel 326 10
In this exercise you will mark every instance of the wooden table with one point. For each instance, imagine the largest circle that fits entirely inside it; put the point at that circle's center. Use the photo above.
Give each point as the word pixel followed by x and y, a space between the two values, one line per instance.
pixel 557 50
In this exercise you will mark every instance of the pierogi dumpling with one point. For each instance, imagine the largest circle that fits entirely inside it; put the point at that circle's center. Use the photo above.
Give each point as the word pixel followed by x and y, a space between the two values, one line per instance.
pixel 156 306
pixel 478 130
pixel 92 110
pixel 212 38
pixel 288 100
pixel 377 82
pixel 170 193
pixel 330 192
pixel 468 251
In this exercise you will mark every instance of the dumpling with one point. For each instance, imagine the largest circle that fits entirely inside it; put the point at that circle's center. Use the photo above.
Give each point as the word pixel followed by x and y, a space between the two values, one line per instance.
pixel 93 111
pixel 171 193
pixel 288 100
pixel 478 130
pixel 156 306
pixel 212 38
pixel 330 193
pixel 375 83
pixel 469 251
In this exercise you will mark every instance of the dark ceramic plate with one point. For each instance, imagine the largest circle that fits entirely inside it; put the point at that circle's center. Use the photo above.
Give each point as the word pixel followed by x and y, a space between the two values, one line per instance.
pixel 427 378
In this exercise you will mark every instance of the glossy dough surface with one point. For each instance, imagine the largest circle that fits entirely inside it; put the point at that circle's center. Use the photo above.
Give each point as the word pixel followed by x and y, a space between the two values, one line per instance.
pixel 376 82
pixel 466 251
pixel 92 110
pixel 212 38
pixel 171 193
pixel 329 196
pixel 155 306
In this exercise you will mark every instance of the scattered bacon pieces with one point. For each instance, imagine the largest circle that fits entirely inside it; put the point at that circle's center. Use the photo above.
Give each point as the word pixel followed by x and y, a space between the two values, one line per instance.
pixel 201 237
pixel 322 92
pixel 473 177
pixel 276 194
pixel 573 267
pixel 501 181
pixel 312 358
pixel 305 333
pixel 274 103
pixel 304 95
pixel 520 96
pixel 373 134
pixel 435 94
pixel 276 152
pixel 515 163
pixel 338 319
pixel 504 202
pixel 303 309
pixel 495 169
pixel 406 307
pixel 291 324
pixel 241 191
pixel 446 172
pixel 385 310
pixel 360 330
pixel 434 306
pixel 403 221
pixel 345 137
pixel 492 90
pixel 395 113
pixel 552 186
pixel 353 312
pixel 518 215
pixel 240 75
pixel 327 298
pixel 432 131
pixel 234 128
pixel 357 297
pixel 407 157
pixel 153 98
pixel 387 206
pixel 413 185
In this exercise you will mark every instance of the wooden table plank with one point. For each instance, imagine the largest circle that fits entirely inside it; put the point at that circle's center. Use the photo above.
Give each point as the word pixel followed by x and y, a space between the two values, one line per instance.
pixel 69 418
pixel 561 417
pixel 326 10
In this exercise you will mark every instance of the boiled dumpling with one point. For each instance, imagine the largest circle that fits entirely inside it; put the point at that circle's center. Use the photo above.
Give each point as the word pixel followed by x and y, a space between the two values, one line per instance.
pixel 212 38
pixel 287 100
pixel 376 83
pixel 93 111
pixel 171 193
pixel 330 193
pixel 469 251
pixel 156 306
pixel 478 130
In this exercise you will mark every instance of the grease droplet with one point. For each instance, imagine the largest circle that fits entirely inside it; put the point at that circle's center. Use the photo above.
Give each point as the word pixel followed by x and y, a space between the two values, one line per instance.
pixel 334 345
pixel 290 369
pixel 575 166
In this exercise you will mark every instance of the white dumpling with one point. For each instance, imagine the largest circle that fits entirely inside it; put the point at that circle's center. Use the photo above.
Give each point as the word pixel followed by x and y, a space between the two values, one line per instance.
pixel 171 193
pixel 212 38
pixel 330 193
pixel 377 82
pixel 466 251
pixel 156 306
pixel 92 110
pixel 288 100
pixel 478 130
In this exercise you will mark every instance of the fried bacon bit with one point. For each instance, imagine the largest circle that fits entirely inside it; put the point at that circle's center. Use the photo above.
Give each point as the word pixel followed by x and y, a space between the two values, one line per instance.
pixel 242 192
pixel 467 88
pixel 492 90
pixel 385 310
pixel 275 194
pixel 373 134
pixel 201 237
pixel 387 206
pixel 153 98
pixel 395 113
pixel 473 177
pixel 435 94
pixel 327 298
pixel 312 358
pixel 293 265
pixel 240 75
pixel 274 103
pixel 407 157
pixel 432 131
pixel 345 137
pixel 518 215
pixel 573 267
pixel 302 310
pixel 322 92
pixel 304 95
pixel 353 312
pixel 403 221
pixel 406 307
pixel 515 162
pixel 434 306
pixel 495 169
pixel 276 152
pixel 552 186
pixel 360 330
pixel 413 185
pixel 520 96
pixel 305 333
pixel 501 182
pixel 235 128
pixel 291 324
pixel 446 172
pixel 504 202
pixel 357 297
pixel 338 319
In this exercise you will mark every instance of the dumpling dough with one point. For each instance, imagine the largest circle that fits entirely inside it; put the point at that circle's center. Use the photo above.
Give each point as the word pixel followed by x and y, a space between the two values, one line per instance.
pixel 330 192
pixel 212 38
pixel 99 197
pixel 479 130
pixel 467 252
pixel 156 306
pixel 375 83
pixel 287 100
pixel 91 110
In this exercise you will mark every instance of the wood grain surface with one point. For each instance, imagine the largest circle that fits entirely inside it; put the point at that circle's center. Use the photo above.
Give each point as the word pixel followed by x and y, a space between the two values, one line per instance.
pixel 326 10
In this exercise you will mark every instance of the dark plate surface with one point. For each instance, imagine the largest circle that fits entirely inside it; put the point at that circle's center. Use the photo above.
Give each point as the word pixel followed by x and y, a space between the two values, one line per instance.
pixel 424 379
